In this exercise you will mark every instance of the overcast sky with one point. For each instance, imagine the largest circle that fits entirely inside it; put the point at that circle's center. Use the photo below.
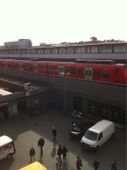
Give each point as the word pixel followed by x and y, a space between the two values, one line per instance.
pixel 55 21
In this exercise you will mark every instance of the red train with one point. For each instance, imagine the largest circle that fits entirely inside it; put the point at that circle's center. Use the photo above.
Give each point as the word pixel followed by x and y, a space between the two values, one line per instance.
pixel 106 73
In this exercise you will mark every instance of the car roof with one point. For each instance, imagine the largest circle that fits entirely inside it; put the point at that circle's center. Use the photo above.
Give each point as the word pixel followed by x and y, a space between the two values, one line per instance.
pixel 5 140
pixel 101 125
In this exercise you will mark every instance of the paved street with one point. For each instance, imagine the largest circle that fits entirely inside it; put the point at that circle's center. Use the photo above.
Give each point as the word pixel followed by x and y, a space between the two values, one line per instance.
pixel 27 130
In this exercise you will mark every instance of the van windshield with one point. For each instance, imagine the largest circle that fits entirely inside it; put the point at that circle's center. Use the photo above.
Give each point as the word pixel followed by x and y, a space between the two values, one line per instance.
pixel 91 135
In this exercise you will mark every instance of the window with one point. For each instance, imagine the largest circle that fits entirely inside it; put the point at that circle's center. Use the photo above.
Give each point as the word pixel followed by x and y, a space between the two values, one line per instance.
pixel 105 49
pixel 105 75
pixel 80 71
pixel 94 49
pixel 70 50
pixel 61 69
pixel 73 71
pixel 36 68
pixel 62 50
pixel 54 51
pixel 91 135
pixel 67 70
pixel 100 136
pixel 97 73
pixel 120 49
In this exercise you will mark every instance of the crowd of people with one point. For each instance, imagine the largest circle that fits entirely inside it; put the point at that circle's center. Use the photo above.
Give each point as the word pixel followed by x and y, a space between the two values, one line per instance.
pixel 61 155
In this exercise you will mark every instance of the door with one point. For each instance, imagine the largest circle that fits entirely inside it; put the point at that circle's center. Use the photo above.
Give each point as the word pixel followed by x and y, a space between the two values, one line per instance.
pixel 61 71
pixel 88 73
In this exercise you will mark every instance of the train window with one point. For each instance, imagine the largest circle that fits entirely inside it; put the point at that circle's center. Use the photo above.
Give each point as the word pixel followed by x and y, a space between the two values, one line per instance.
pixel 125 65
pixel 117 71
pixel 67 70
pixel 36 68
pixel 97 73
pixel 73 71
pixel 61 69
pixel 42 68
pixel 80 71
pixel 87 72
pixel 105 75
pixel 90 73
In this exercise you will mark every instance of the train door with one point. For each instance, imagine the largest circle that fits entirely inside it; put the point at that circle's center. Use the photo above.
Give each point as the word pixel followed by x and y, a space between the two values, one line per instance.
pixel 88 73
pixel 61 71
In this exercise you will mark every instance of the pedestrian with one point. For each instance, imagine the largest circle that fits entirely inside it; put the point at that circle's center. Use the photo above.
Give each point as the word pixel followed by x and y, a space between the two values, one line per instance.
pixel 64 152
pixel 114 165
pixel 41 143
pixel 60 152
pixel 54 132
pixel 96 164
pixel 78 163
pixel 32 154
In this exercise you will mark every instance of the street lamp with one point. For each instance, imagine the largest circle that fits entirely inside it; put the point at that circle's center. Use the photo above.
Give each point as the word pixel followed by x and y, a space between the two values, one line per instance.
pixel 65 87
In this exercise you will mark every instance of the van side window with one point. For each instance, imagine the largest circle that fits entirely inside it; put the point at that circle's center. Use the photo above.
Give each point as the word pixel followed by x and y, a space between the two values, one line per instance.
pixel 100 136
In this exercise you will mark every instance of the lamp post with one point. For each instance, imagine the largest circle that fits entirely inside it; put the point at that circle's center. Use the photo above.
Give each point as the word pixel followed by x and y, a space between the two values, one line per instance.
pixel 65 88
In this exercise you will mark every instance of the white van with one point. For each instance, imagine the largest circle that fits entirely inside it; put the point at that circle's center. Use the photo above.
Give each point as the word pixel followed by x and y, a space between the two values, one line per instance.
pixel 98 134
pixel 7 147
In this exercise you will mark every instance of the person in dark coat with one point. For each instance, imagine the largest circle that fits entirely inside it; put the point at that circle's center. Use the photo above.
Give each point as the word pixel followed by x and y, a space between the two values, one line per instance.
pixel 41 143
pixel 96 164
pixel 60 152
pixel 32 154
pixel 64 152
pixel 54 132
pixel 114 165
pixel 78 163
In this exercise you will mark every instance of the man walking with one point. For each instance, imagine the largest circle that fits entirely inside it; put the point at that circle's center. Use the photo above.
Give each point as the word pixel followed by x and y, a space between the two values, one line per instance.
pixel 54 132
pixel 114 165
pixel 32 154
pixel 64 152
pixel 96 164
pixel 78 163
pixel 41 143
pixel 59 153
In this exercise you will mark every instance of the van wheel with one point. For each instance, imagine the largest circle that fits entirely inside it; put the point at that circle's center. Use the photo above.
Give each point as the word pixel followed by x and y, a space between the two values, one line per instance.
pixel 9 156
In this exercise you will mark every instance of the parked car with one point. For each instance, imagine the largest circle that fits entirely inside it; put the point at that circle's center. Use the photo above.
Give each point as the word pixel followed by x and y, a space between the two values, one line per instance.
pixel 78 130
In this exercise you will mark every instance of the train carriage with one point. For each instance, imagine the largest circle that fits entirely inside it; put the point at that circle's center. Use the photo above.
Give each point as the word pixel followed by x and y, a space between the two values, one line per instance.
pixel 42 67
pixel 106 73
